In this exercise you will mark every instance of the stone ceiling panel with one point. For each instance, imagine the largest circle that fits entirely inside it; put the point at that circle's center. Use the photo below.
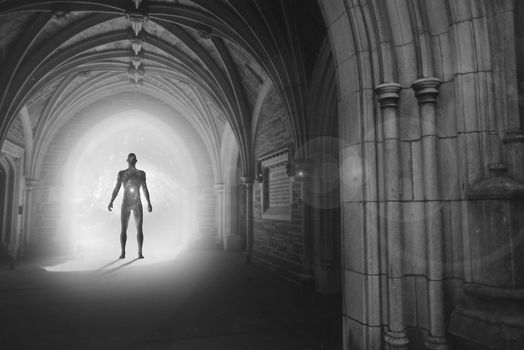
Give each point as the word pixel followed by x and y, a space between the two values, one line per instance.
pixel 59 22
pixel 11 26
pixel 116 24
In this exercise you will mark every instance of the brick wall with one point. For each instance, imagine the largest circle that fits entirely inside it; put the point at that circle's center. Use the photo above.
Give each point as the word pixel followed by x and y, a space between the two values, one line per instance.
pixel 277 243
pixel 16 132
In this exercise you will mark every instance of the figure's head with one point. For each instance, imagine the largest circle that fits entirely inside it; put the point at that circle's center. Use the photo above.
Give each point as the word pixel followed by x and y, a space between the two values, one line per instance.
pixel 131 159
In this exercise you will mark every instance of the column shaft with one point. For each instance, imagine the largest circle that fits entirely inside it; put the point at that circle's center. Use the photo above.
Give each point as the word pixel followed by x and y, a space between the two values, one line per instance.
pixel 247 182
pixel 426 91
pixel 30 184
pixel 303 174
pixel 220 213
pixel 388 96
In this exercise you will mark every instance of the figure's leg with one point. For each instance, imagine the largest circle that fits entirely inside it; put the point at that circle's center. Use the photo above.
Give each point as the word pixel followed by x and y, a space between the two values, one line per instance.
pixel 138 213
pixel 124 221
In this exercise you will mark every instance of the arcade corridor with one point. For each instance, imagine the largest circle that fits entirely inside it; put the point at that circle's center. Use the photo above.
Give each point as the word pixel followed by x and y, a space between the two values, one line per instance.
pixel 324 174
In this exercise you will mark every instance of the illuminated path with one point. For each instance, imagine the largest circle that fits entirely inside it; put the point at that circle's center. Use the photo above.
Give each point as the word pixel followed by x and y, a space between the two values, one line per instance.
pixel 201 300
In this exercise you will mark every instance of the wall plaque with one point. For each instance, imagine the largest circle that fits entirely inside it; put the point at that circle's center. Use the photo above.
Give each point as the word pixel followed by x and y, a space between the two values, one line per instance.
pixel 275 186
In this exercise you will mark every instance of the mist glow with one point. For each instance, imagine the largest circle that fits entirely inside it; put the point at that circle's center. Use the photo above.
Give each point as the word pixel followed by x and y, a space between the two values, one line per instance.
pixel 90 176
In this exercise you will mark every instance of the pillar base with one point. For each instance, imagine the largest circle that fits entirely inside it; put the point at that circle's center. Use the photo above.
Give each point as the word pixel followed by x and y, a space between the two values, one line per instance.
pixel 396 340
pixel 233 243
pixel 491 318
pixel 248 257
pixel 436 343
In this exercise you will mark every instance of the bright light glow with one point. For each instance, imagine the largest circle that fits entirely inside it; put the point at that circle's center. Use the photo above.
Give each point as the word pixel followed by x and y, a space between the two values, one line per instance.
pixel 90 176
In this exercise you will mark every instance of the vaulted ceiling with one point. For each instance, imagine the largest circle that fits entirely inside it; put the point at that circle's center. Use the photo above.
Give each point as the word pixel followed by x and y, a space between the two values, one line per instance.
pixel 207 59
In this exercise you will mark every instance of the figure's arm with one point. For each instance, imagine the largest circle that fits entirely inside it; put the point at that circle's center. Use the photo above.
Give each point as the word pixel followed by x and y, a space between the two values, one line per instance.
pixel 115 191
pixel 146 194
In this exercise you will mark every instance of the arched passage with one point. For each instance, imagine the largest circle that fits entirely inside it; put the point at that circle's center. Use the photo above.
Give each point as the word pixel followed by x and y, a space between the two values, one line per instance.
pixel 90 174
pixel 426 118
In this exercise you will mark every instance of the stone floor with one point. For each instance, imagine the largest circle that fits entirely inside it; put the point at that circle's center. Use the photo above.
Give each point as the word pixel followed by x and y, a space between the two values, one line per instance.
pixel 200 300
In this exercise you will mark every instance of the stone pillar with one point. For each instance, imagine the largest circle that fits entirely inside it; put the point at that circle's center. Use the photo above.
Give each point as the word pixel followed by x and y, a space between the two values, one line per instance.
pixel 233 240
pixel 30 185
pixel 426 91
pixel 303 175
pixel 492 314
pixel 220 213
pixel 247 182
pixel 388 96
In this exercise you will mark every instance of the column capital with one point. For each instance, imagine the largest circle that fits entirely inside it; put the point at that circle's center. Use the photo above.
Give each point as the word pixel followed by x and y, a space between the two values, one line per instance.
pixel 30 184
pixel 388 94
pixel 426 89
pixel 246 180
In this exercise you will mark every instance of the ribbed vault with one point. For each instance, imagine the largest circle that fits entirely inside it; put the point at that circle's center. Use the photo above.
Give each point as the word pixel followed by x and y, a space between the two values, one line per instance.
pixel 206 59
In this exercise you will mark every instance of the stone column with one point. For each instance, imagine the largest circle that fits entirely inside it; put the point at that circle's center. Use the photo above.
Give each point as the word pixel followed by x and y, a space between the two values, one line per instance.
pixel 303 175
pixel 233 240
pixel 247 182
pixel 30 185
pixel 388 96
pixel 426 91
pixel 220 213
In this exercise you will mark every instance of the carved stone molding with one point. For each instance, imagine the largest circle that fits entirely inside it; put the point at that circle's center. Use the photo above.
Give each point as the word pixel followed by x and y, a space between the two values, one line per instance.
pixel 497 186
pixel 59 14
pixel 136 61
pixel 426 89
pixel 136 44
pixel 204 31
pixel 514 136
pixel 136 75
pixel 397 340
pixel 495 293
pixel 30 184
pixel 205 34
pixel 137 16
pixel 388 94
pixel 246 181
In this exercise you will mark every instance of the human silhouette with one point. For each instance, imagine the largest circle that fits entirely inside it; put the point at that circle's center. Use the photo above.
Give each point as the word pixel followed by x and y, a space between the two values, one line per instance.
pixel 132 179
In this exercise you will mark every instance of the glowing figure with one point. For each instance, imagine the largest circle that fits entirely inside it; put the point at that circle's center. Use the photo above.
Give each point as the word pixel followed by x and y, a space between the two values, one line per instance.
pixel 131 179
